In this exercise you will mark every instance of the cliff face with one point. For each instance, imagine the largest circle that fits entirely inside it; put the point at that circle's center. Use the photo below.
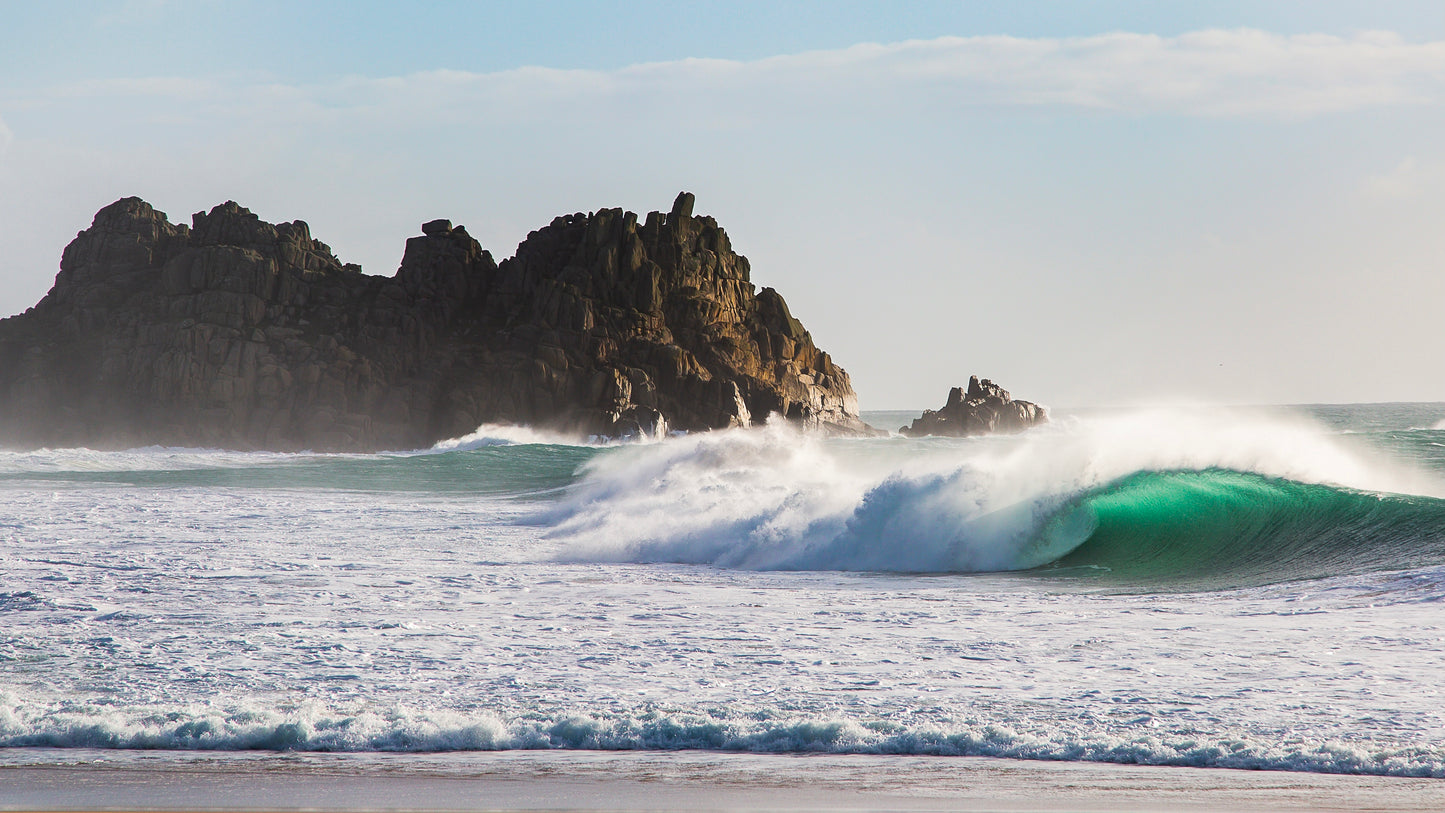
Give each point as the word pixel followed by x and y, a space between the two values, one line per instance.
pixel 238 333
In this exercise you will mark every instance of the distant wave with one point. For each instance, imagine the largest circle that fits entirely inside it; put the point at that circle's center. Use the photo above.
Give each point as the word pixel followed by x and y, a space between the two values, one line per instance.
pixel 1190 494
pixel 168 458
pixel 314 728
pixel 510 461
pixel 149 458
pixel 497 434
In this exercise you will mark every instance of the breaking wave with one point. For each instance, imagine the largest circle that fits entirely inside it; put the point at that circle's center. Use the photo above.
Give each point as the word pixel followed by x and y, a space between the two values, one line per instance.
pixel 399 729
pixel 1158 496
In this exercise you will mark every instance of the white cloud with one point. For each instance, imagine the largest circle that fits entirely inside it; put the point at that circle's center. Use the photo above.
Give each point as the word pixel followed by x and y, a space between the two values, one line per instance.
pixel 1239 72
pixel 1411 179
pixel 6 137
pixel 1208 73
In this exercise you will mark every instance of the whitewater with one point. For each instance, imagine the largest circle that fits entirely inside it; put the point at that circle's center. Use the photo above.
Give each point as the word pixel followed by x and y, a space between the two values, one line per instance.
pixel 1228 588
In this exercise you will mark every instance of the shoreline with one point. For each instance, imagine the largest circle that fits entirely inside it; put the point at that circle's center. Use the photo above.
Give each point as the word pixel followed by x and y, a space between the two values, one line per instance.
pixel 65 779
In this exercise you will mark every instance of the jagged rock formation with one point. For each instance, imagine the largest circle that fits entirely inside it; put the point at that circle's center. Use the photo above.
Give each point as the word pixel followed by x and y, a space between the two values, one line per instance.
pixel 984 409
pixel 238 333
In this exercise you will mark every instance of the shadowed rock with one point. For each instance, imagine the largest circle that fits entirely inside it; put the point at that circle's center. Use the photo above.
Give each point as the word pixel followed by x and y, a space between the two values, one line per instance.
pixel 238 333
pixel 985 408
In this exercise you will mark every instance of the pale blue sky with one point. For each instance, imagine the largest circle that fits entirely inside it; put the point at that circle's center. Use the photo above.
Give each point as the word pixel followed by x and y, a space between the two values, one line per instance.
pixel 1090 202
pixel 60 41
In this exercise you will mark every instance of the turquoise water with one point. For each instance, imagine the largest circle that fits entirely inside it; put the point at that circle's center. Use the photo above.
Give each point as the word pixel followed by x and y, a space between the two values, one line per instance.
pixel 1219 529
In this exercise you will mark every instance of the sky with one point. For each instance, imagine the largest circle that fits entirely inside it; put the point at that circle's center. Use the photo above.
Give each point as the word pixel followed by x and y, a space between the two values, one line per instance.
pixel 1092 203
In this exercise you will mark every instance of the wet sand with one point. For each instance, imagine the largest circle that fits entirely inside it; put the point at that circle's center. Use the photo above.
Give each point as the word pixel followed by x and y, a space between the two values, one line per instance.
pixel 40 779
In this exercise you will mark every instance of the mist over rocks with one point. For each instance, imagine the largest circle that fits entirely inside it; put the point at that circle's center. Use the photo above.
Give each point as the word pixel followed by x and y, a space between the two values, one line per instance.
pixel 984 408
pixel 237 333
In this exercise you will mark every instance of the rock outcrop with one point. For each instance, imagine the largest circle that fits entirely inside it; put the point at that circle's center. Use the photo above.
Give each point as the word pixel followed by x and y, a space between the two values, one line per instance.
pixel 238 333
pixel 984 408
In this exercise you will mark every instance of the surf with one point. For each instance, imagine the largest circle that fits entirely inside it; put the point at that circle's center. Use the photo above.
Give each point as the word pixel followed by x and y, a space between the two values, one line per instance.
pixel 1168 498
pixel 1212 498
pixel 344 728
pixel 1228 528
pixel 493 460
pixel 1120 588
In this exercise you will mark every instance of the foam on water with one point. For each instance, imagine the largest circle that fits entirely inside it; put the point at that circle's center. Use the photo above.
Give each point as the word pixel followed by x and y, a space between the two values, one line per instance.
pixel 150 458
pixel 165 458
pixel 527 594
pixel 313 727
pixel 496 434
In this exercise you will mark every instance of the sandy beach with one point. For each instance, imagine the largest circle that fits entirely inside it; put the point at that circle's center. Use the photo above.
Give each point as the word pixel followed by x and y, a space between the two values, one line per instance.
pixel 94 780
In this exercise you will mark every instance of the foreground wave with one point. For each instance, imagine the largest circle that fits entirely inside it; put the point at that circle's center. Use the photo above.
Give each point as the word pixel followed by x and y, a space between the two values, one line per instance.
pixel 408 730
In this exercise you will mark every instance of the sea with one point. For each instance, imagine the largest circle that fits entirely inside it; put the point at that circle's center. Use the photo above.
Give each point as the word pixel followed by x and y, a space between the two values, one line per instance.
pixel 1258 588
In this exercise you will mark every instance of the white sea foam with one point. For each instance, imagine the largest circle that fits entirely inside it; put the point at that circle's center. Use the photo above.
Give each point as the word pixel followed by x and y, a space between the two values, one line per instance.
pixel 168 458
pixel 500 434
pixel 779 499
pixel 315 727
pixel 149 458
pixel 341 605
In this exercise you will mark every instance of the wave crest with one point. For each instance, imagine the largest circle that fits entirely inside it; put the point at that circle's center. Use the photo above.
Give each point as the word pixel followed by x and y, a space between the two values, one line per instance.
pixel 500 434
pixel 317 728
pixel 778 499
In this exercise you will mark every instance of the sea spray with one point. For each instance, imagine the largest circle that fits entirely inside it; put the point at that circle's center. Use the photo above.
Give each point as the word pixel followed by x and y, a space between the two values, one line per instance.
pixel 751 499
pixel 494 434
pixel 780 499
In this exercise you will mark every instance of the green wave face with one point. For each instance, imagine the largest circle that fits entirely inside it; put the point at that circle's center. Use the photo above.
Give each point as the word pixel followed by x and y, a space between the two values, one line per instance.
pixel 1214 529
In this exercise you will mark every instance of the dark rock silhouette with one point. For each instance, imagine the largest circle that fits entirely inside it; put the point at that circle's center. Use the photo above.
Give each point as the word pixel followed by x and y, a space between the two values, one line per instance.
pixel 238 333
pixel 985 408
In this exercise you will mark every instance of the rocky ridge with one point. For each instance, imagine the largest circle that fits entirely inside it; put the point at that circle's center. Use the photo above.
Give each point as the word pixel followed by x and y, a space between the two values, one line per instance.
pixel 984 408
pixel 237 333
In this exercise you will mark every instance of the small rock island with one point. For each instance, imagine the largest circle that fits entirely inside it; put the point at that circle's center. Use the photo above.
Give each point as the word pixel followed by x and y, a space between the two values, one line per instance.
pixel 237 333
pixel 984 408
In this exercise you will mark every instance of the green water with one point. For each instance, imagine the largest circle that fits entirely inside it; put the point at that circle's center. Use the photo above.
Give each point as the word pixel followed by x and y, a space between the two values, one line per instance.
pixel 1214 527
pixel 518 469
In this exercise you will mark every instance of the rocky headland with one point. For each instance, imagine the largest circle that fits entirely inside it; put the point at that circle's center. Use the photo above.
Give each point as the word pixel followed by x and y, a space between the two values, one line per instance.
pixel 237 333
pixel 984 408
